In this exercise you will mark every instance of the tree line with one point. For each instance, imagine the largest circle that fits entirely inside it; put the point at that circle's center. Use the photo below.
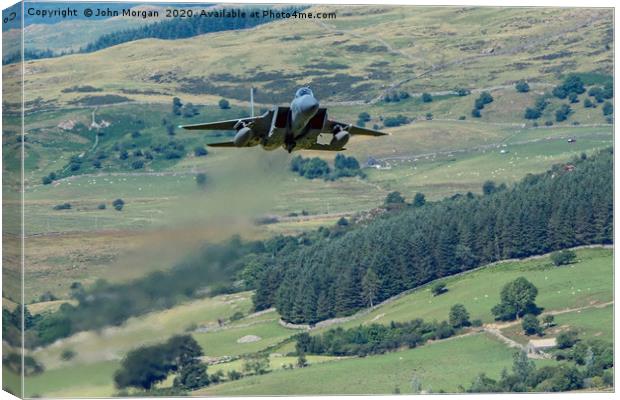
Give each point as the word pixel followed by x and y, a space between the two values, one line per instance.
pixel 546 212
pixel 170 29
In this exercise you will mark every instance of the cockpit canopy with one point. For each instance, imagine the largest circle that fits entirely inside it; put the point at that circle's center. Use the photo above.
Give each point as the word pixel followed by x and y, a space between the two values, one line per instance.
pixel 304 91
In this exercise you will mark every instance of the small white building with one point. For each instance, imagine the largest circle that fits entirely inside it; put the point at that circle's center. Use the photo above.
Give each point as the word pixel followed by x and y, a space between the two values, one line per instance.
pixel 538 346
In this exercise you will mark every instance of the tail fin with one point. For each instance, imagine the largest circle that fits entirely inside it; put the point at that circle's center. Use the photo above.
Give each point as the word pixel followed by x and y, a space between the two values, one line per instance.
pixel 252 101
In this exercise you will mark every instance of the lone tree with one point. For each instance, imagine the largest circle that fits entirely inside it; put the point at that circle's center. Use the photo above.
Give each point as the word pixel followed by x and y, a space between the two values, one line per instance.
pixel 522 86
pixel 224 104
pixel 118 204
pixel 438 288
pixel 517 299
pixel 176 106
pixel 548 320
pixel 563 257
pixel 370 286
pixel 531 325
pixel 394 198
pixel 459 317
pixel 419 200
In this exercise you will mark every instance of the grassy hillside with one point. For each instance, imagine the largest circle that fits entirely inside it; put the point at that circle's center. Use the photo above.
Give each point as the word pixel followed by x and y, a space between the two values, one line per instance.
pixel 353 57
pixel 584 284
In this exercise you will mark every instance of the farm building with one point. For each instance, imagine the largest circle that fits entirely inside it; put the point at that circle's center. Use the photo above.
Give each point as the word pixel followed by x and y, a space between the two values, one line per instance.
pixel 538 346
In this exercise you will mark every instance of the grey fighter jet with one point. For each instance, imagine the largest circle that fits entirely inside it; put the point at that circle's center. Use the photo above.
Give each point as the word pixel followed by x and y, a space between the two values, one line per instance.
pixel 297 127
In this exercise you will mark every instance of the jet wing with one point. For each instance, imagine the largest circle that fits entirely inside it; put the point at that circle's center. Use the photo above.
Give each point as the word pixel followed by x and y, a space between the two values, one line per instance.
pixel 219 125
pixel 222 144
pixel 352 129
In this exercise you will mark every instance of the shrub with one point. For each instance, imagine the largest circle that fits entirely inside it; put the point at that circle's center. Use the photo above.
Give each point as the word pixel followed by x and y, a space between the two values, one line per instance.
pixel 566 340
pixel 396 121
pixel 562 113
pixel 101 206
pixel 475 113
pixel 532 113
pixel 427 98
pixel 608 108
pixel 531 325
pixel 63 206
pixel 522 86
pixel 237 316
pixel 563 257
pixel 438 288
pixel 118 204
pixel 224 104
pixel 67 355
pixel 234 375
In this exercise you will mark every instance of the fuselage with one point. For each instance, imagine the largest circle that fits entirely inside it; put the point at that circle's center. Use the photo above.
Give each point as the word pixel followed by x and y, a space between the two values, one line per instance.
pixel 303 107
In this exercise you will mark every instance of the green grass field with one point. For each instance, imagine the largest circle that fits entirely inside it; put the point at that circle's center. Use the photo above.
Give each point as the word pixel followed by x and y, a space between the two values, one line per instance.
pixel 441 366
pixel 576 285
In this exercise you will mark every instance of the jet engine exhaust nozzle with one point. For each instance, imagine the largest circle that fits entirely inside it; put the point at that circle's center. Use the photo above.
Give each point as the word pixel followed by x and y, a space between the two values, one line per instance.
pixel 340 139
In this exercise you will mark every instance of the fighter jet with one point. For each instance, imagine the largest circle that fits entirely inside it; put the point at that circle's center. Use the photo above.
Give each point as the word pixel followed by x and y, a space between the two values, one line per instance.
pixel 293 128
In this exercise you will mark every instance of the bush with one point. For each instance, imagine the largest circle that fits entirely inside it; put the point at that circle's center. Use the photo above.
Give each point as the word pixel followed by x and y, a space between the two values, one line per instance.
pixel 563 257
pixel 548 320
pixel 427 98
pixel 234 375
pixel 396 121
pixel 476 323
pixel 394 198
pixel 101 206
pixel 224 104
pixel 429 116
pixel 566 340
pixel 572 84
pixel 118 204
pixel 573 98
pixel 522 86
pixel 475 113
pixel 532 113
pixel 237 316
pixel 587 103
pixel 462 92
pixel 67 355
pixel 531 325
pixel 438 288
pixel 608 108
pixel 562 113
pixel 46 180
pixel 63 206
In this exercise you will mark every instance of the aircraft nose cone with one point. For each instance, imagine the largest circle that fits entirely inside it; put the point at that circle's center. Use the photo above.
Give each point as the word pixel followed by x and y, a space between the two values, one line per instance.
pixel 309 105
